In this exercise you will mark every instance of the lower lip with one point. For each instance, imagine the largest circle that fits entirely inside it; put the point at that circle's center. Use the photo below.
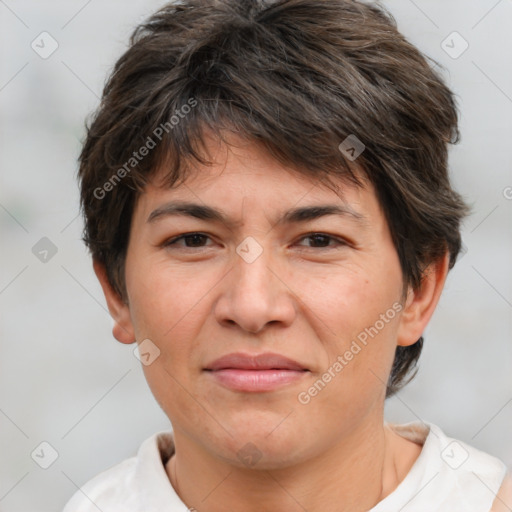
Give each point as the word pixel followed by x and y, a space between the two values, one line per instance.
pixel 256 380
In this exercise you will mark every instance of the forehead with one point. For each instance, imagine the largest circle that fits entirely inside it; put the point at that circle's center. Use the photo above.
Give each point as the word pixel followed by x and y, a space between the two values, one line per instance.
pixel 245 182
pixel 244 168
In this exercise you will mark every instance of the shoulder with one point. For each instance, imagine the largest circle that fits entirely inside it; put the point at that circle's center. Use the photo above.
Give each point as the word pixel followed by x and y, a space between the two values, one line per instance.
pixel 503 501
pixel 476 477
pixel 105 489
pixel 452 475
pixel 122 487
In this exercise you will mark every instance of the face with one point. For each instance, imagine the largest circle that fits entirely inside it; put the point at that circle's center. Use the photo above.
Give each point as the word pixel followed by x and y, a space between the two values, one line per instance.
pixel 298 285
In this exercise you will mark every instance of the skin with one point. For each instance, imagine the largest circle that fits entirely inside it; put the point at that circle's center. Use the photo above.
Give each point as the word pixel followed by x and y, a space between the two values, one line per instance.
pixel 305 299
pixel 503 501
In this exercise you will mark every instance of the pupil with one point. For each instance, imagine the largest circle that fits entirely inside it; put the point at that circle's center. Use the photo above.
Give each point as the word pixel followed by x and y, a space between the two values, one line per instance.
pixel 196 240
pixel 320 240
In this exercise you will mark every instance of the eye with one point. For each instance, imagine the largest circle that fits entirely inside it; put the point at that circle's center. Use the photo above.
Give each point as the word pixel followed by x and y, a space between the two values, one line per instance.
pixel 190 240
pixel 322 241
pixel 199 240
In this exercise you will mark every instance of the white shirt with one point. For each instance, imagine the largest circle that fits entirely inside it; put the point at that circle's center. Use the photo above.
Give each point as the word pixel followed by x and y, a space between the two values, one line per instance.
pixel 448 476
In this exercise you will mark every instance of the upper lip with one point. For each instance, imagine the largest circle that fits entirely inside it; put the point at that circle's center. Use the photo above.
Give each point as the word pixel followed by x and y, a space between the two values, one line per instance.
pixel 266 361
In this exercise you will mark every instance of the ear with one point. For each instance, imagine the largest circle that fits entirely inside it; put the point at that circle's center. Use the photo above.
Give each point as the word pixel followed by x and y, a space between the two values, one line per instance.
pixel 119 310
pixel 421 303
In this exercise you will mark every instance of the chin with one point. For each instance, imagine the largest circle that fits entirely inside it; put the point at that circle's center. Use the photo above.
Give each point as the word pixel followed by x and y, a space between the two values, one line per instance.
pixel 262 446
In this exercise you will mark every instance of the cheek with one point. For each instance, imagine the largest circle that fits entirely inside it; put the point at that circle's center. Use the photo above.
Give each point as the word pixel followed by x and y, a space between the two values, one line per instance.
pixel 166 301
pixel 349 299
pixel 356 314
pixel 169 309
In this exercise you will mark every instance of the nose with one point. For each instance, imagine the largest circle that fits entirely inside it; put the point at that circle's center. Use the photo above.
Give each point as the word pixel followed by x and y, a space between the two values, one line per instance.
pixel 255 294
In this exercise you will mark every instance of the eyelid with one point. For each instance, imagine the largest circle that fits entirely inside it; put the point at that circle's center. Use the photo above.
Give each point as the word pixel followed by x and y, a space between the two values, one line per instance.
pixel 339 240
pixel 172 241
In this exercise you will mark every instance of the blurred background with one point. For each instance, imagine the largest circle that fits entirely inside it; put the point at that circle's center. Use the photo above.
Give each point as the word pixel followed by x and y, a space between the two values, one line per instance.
pixel 65 382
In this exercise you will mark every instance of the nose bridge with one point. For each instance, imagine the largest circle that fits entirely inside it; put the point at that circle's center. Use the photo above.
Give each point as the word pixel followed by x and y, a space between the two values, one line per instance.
pixel 253 296
pixel 252 267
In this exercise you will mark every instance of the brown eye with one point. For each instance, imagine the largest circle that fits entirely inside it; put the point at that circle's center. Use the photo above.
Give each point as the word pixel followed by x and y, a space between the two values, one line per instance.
pixel 190 240
pixel 321 240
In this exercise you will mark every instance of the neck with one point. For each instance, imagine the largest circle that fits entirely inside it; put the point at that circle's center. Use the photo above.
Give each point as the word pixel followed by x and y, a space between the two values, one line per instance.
pixel 353 475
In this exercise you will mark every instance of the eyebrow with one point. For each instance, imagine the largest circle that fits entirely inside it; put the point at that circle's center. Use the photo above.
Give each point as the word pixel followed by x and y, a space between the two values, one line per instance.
pixel 295 215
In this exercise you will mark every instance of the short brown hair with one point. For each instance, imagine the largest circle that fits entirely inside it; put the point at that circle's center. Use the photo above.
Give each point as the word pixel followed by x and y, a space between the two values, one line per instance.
pixel 299 77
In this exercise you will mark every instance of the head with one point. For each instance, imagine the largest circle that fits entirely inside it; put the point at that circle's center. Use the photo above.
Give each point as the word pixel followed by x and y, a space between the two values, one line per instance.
pixel 251 110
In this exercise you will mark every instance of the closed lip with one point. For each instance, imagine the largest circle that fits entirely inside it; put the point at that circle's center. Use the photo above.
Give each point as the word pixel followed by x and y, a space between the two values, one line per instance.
pixel 266 361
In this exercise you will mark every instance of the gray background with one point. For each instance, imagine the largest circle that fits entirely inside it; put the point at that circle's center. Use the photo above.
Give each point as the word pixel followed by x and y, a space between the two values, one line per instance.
pixel 66 381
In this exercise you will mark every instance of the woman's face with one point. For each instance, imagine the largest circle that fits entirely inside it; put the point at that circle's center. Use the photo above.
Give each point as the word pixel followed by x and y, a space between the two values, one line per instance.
pixel 283 267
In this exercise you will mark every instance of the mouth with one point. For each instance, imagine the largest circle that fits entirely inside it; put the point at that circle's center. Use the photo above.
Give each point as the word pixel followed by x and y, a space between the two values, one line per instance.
pixel 255 373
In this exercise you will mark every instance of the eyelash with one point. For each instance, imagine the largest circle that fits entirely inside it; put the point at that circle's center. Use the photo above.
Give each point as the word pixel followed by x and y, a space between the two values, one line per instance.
pixel 169 243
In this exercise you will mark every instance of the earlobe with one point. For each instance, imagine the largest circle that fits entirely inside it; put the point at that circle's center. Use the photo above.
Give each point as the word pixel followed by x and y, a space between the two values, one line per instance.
pixel 119 310
pixel 421 303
